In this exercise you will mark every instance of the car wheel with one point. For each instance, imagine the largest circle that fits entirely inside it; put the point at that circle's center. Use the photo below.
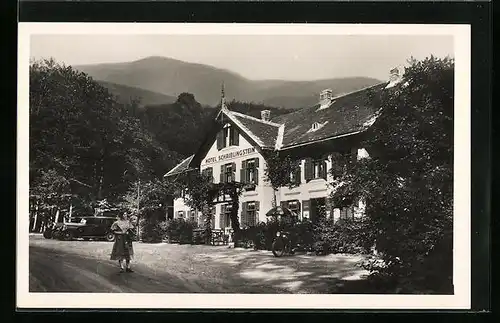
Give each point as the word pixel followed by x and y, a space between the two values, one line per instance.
pixel 47 234
pixel 110 237
pixel 67 236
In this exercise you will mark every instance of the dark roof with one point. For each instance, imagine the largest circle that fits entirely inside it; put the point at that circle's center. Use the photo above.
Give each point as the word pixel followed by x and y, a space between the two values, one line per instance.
pixel 180 168
pixel 265 133
pixel 346 114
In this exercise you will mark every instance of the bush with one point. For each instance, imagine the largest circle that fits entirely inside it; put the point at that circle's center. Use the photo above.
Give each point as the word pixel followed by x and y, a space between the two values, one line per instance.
pixel 344 236
pixel 152 231
pixel 180 230
pixel 323 237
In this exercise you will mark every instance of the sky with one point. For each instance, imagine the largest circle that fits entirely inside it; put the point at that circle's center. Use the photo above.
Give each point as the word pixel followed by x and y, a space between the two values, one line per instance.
pixel 256 57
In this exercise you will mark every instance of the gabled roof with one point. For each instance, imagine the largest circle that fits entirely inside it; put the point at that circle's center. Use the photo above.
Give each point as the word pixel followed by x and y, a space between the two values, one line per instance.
pixel 180 168
pixel 265 133
pixel 347 114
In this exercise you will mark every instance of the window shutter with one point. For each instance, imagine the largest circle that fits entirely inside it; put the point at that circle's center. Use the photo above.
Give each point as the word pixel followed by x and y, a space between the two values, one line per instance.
pixel 210 172
pixel 256 176
pixel 236 136
pixel 222 171
pixel 257 209
pixel 244 215
pixel 212 217
pixel 284 204
pixel 222 216
pixel 220 139
pixel 243 173
pixel 233 169
pixel 323 170
pixel 308 169
pixel 256 159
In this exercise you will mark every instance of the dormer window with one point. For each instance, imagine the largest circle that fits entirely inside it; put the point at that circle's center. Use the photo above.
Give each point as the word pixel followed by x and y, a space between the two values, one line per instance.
pixel 316 126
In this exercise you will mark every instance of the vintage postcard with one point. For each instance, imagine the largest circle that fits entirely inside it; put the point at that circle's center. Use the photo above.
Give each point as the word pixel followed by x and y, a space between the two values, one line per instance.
pixel 243 166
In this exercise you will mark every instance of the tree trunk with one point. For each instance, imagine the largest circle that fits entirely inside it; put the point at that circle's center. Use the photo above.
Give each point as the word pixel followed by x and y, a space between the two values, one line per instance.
pixel 207 216
pixel 57 216
pixel 101 180
pixel 235 223
pixel 35 219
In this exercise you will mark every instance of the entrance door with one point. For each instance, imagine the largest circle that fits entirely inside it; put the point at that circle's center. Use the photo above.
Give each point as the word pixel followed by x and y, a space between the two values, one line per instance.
pixel 318 209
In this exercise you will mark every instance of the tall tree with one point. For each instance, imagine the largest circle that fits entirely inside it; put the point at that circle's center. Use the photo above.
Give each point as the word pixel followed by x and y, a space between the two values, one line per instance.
pixel 408 180
pixel 79 131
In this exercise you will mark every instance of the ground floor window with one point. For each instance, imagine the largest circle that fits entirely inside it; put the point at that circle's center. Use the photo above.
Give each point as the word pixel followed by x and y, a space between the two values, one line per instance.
pixel 225 216
pixel 180 214
pixel 249 213
pixel 346 213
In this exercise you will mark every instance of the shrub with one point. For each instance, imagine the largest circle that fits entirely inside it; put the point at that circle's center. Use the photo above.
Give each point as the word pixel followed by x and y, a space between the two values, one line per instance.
pixel 344 236
pixel 180 230
pixel 324 237
pixel 152 231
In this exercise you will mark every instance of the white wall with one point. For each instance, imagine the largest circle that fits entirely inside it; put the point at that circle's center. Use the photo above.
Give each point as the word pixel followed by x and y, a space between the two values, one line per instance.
pixel 316 188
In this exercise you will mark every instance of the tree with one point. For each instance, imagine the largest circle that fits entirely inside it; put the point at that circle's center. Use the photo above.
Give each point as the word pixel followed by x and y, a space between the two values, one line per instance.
pixel 407 182
pixel 80 132
pixel 278 170
pixel 199 192
pixel 147 200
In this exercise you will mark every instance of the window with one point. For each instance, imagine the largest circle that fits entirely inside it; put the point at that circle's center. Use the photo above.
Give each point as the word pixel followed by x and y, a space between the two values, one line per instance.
pixel 208 172
pixel 319 169
pixel 315 169
pixel 233 137
pixel 228 136
pixel 180 214
pixel 225 216
pixel 249 172
pixel 227 173
pixel 249 213
pixel 347 213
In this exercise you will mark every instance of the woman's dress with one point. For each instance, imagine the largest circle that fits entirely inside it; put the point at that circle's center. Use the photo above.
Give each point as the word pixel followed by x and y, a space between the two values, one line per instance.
pixel 122 247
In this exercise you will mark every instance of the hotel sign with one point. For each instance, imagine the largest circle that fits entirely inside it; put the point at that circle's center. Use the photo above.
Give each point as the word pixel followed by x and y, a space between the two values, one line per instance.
pixel 239 153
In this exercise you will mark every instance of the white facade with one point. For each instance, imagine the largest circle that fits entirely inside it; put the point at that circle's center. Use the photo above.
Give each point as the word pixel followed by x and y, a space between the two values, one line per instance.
pixel 261 199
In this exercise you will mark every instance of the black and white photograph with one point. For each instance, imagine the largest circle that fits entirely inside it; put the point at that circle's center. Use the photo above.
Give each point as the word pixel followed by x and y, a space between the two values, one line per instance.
pixel 243 166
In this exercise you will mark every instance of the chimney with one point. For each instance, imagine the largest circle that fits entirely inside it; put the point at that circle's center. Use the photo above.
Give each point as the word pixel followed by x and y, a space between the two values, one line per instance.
pixel 395 77
pixel 325 97
pixel 265 115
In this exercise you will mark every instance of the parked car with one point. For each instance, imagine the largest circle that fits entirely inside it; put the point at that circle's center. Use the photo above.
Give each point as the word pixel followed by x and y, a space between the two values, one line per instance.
pixel 52 231
pixel 88 227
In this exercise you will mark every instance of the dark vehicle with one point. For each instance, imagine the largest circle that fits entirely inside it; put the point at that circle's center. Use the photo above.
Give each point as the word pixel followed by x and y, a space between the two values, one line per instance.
pixel 88 227
pixel 53 231
pixel 285 239
pixel 282 244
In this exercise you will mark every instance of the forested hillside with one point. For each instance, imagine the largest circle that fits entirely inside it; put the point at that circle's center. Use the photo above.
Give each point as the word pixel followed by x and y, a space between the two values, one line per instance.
pixel 88 145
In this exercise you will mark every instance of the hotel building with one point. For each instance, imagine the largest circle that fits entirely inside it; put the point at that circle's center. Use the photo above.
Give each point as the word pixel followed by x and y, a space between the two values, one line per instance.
pixel 233 151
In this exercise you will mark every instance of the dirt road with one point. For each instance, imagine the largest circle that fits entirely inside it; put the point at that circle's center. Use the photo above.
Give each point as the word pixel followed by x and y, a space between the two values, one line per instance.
pixel 84 266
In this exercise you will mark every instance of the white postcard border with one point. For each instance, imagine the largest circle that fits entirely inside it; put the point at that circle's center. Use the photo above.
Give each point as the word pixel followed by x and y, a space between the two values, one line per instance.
pixel 462 255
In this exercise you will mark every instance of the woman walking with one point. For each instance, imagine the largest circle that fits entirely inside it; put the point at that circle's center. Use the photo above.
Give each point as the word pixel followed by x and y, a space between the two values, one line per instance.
pixel 123 250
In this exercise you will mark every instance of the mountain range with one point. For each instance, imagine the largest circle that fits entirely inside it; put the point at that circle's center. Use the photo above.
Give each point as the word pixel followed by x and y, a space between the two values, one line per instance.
pixel 158 80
